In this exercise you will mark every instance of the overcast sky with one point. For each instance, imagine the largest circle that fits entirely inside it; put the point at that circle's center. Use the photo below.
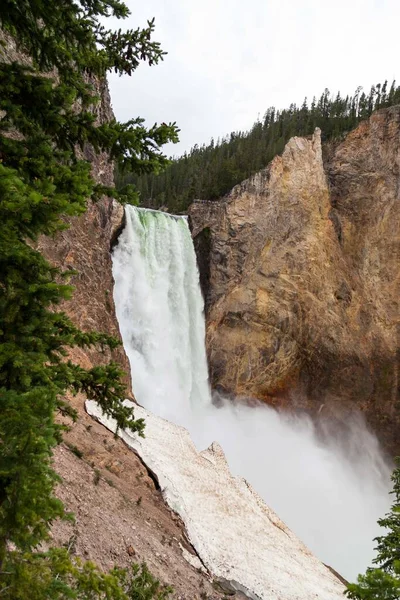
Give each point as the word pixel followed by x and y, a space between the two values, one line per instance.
pixel 229 60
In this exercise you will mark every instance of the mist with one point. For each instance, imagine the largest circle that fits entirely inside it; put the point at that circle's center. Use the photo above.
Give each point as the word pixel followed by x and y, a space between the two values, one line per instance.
pixel 329 485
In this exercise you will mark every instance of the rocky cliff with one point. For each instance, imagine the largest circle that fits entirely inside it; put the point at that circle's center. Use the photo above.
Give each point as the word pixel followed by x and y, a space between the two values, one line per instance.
pixel 85 247
pixel 299 268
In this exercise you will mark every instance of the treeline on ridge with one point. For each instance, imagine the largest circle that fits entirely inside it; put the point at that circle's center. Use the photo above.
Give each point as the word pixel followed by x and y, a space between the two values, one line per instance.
pixel 210 171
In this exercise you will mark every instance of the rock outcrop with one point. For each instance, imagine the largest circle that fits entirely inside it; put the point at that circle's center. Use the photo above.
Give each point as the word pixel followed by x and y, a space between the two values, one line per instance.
pixel 85 246
pixel 299 268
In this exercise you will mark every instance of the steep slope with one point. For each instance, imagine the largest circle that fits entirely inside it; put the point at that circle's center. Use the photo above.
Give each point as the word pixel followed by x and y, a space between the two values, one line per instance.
pixel 85 247
pixel 120 514
pixel 300 274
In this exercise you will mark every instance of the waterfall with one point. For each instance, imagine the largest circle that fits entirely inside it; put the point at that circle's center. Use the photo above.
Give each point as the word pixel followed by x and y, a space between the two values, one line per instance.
pixel 329 493
pixel 160 312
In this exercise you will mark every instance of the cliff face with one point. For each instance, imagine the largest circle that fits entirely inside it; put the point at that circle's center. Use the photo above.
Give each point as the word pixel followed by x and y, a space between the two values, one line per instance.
pixel 85 247
pixel 299 267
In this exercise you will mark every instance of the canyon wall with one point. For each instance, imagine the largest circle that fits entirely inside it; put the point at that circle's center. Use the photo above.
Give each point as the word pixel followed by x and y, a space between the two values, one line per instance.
pixel 120 514
pixel 300 272
pixel 85 247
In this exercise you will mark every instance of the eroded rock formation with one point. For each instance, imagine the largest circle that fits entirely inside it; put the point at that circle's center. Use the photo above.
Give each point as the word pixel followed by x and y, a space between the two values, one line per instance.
pixel 85 246
pixel 300 271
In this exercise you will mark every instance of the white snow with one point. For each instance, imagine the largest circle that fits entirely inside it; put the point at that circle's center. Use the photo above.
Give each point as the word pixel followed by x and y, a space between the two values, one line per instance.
pixel 236 535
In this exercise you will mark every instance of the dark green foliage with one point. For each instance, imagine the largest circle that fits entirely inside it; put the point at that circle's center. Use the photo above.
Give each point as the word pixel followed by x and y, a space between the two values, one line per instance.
pixel 55 575
pixel 209 172
pixel 383 581
pixel 43 182
pixel 389 545
pixel 141 585
pixel 70 33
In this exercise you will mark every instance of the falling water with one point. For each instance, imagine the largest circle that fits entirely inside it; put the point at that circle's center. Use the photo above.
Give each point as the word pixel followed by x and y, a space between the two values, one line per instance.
pixel 331 494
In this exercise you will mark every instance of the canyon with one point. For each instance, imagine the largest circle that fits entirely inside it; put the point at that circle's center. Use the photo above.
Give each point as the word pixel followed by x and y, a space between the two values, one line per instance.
pixel 121 509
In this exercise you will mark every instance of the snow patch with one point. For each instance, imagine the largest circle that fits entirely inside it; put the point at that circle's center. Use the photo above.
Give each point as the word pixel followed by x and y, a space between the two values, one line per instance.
pixel 236 535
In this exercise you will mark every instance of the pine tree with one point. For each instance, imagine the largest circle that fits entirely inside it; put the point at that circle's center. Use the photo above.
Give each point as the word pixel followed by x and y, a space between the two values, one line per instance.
pixel 216 168
pixel 44 180
pixel 383 582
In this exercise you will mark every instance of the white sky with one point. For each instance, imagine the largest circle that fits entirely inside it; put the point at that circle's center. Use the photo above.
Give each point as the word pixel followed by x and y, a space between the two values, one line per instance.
pixel 228 61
